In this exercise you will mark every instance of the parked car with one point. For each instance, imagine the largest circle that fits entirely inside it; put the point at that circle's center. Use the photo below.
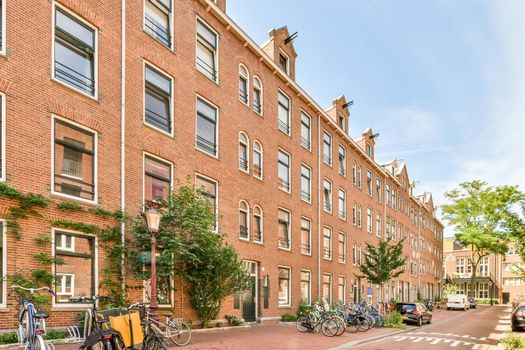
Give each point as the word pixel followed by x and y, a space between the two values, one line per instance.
pixel 458 301
pixel 518 318
pixel 414 313
pixel 472 302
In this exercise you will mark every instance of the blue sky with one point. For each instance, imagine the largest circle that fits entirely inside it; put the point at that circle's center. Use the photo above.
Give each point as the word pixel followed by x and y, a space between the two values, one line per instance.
pixel 442 81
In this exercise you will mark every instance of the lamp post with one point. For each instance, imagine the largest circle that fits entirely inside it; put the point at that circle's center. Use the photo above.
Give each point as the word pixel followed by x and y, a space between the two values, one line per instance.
pixel 152 218
pixel 491 291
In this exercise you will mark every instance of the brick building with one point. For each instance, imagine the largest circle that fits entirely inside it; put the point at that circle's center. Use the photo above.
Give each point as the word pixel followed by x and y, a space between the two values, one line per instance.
pixel 497 276
pixel 105 106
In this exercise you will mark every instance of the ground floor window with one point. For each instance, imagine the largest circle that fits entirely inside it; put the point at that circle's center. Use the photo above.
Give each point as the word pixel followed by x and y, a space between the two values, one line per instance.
pixel 164 288
pixel 284 286
pixel 75 265
pixel 305 286
pixel 327 287
pixel 3 260
pixel 341 291
pixel 483 290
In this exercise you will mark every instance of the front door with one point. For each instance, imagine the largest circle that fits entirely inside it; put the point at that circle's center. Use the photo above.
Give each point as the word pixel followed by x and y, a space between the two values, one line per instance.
pixel 506 298
pixel 248 302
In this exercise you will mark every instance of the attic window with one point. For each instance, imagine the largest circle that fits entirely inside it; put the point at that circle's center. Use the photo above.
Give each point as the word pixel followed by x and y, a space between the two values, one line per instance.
pixel 283 62
pixel 369 150
pixel 341 122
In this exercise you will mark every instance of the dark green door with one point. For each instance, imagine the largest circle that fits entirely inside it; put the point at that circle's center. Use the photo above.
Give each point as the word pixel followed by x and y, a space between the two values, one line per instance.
pixel 248 302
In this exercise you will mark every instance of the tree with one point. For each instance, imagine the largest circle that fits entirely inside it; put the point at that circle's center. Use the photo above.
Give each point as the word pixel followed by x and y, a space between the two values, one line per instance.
pixel 515 224
pixel 188 247
pixel 383 262
pixel 477 212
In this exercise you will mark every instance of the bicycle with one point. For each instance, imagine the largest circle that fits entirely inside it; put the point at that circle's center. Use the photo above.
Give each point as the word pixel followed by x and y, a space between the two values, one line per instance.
pixel 31 322
pixel 318 318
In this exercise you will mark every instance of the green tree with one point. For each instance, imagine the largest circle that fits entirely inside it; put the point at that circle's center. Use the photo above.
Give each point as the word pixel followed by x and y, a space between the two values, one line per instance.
pixel 383 262
pixel 515 224
pixel 188 247
pixel 477 212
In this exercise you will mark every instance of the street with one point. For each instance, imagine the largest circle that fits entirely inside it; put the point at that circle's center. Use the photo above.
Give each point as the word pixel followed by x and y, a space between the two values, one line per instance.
pixel 474 329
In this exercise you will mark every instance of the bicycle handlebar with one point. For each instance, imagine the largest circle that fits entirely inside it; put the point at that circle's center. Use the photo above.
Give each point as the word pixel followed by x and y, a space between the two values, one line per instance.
pixel 31 290
pixel 92 299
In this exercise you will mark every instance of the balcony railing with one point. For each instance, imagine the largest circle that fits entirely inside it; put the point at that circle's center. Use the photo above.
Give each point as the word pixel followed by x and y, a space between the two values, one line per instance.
pixel 328 207
pixel 209 70
pixel 284 243
pixel 284 185
pixel 284 127
pixel 158 31
pixel 327 159
pixel 257 107
pixel 72 77
pixel 342 258
pixel 342 215
pixel 305 143
pixel 205 145
pixel 72 167
pixel 243 164
pixel 305 248
pixel 342 170
pixel 327 253
pixel 305 196
pixel 243 96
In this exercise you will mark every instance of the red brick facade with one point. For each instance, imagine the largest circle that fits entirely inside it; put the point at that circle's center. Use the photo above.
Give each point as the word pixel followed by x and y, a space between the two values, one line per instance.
pixel 35 98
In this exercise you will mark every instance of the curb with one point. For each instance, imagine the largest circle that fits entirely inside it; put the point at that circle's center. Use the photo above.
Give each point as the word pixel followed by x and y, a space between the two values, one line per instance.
pixel 218 329
pixel 366 340
pixel 54 342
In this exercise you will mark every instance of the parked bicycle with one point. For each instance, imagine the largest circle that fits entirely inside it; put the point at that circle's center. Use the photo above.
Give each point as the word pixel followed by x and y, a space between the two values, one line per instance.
pixel 31 322
pixel 320 318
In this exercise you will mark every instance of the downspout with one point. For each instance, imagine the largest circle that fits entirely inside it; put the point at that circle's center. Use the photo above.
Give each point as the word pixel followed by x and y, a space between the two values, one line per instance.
pixel 383 229
pixel 318 207
pixel 123 137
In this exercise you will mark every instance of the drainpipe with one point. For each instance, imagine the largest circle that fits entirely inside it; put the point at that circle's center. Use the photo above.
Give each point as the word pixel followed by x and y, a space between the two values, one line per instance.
pixel 383 227
pixel 123 135
pixel 319 206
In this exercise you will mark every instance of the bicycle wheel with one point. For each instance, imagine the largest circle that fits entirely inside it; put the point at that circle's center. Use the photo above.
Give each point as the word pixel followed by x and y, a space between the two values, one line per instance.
pixel 330 327
pixel 39 342
pixel 180 334
pixel 108 345
pixel 303 324
pixel 158 344
pixel 363 324
pixel 379 321
pixel 340 325
pixel 351 325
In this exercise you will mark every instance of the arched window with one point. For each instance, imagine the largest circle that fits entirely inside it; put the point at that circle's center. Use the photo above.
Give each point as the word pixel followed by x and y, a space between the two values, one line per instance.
pixel 354 173
pixel 243 152
pixel 257 160
pixel 354 213
pixel 257 95
pixel 257 224
pixel 243 220
pixel 243 84
pixel 359 215
pixel 359 254
pixel 354 254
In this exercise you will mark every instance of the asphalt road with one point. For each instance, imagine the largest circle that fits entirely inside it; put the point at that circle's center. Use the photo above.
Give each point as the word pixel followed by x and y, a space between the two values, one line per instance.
pixel 474 329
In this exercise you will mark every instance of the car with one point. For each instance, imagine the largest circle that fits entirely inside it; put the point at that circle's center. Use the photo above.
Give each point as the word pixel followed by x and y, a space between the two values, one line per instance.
pixel 414 313
pixel 472 302
pixel 518 318
pixel 458 301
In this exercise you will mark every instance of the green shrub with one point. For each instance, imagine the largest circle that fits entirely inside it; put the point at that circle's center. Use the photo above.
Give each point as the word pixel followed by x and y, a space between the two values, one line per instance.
pixel 8 338
pixel 482 301
pixel 303 308
pixel 52 334
pixel 233 320
pixel 394 320
pixel 512 342
pixel 289 317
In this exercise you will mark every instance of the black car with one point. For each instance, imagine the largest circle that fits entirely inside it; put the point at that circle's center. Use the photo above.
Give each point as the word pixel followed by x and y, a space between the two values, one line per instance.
pixel 518 318
pixel 414 313
pixel 472 302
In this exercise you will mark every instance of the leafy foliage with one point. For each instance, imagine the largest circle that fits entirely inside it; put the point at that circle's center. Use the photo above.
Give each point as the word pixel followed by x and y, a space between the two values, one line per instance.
pixel 68 206
pixel 288 317
pixel 187 247
pixel 394 320
pixel 233 320
pixel 76 226
pixel 383 262
pixel 478 212
pixel 515 224
pixel 43 239
pixel 113 279
pixel 512 341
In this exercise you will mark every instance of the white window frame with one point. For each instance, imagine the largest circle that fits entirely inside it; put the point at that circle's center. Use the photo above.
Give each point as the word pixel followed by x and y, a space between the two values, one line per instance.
pixel 370 184
pixel 248 86
pixel 170 20
pixel 289 228
pixel 95 269
pixel 261 94
pixel 344 287
pixel 342 213
pixel 309 235
pixel 150 155
pixel 216 53
pixel 217 125
pixel 369 220
pixel 328 161
pixel 216 229
pixel 248 217
pixel 309 148
pixel 343 167
pixel 289 171
pixel 331 286
pixel 345 257
pixel 261 153
pixel 309 201
pixel 62 245
pixel 3 270
pixel 330 246
pixel 379 225
pixel 95 160
pixel 289 291
pixel 145 289
pixel 3 118
pixel 261 219
pixel 309 301
pixel 172 85
pixel 247 145
pixel 289 122
pixel 331 195
pixel 95 54
pixel 63 284
pixel 281 52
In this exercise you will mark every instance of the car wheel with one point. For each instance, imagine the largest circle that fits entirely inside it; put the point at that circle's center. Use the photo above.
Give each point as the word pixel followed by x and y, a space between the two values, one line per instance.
pixel 420 321
pixel 429 320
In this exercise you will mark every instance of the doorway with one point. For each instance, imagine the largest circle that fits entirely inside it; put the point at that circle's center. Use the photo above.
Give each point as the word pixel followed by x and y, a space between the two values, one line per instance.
pixel 249 298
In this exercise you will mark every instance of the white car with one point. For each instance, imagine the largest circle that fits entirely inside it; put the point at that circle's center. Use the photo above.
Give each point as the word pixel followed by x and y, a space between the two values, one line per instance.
pixel 458 301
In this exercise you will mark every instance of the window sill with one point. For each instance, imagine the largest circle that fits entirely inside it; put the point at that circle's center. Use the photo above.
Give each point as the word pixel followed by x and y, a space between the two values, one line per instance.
pixel 70 307
pixel 171 49
pixel 85 201
pixel 284 306
pixel 4 309
pixel 305 254
pixel 216 82
pixel 259 243
pixel 91 97
pixel 172 135
pixel 208 154
pixel 285 249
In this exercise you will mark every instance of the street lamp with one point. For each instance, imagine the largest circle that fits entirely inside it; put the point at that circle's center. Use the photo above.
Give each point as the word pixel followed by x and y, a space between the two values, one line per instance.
pixel 491 291
pixel 153 221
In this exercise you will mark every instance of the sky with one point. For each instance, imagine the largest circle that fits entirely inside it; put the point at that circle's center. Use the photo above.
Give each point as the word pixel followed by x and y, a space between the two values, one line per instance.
pixel 443 82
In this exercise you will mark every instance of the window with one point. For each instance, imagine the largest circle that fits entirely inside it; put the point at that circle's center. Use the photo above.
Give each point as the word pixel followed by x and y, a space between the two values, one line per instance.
pixel 460 265
pixel 3 264
pixel 257 160
pixel 157 179
pixel 327 195
pixel 283 231
pixel 359 254
pixel 243 220
pixel 164 290
pixel 257 224
pixel 369 150
pixel 342 247
pixel 359 216
pixel 379 190
pixel 369 219
pixel 283 171
pixel 284 286
pixel 157 100
pixel 359 176
pixel 327 148
pixel 369 184
pixel 387 228
pixel 379 229
pixel 208 188
pixel 327 287
pixel 483 291
pixel 354 254
pixel 75 53
pixel 257 95
pixel 206 139
pixel 342 160
pixel 74 161
pixel 327 243
pixel 243 84
pixel 354 173
pixel 2 46
pixel 305 183
pixel 341 290
pixel 393 224
pixel 283 113
pixel 341 121
pixel 207 47
pixel 244 150
pixel 342 204
pixel 354 213
pixel 394 201
pixel 157 18
pixel 76 273
pixel 306 287
pixel 284 62
pixel 2 130
pixel 306 135
pixel 483 266
pixel 387 194
pixel 306 236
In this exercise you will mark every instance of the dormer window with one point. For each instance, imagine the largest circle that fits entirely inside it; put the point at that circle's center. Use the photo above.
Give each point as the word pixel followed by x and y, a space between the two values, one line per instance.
pixel 341 121
pixel 284 62
pixel 369 150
